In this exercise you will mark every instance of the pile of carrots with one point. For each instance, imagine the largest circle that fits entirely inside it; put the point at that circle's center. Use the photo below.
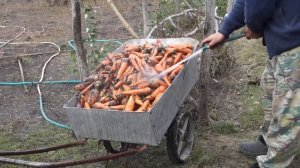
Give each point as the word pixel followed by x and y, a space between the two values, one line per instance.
pixel 119 82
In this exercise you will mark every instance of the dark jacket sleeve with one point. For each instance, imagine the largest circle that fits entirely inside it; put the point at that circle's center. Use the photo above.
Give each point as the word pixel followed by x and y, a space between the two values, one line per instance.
pixel 235 18
pixel 258 13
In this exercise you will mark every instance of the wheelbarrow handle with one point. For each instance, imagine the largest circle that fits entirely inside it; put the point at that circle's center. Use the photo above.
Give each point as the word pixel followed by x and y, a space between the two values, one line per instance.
pixel 235 37
pixel 232 37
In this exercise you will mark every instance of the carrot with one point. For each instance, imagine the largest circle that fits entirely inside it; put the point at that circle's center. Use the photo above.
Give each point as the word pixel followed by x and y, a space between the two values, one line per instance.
pixel 106 62
pixel 141 55
pixel 86 89
pixel 178 57
pixel 190 46
pixel 143 85
pixel 143 91
pixel 153 95
pixel 176 71
pixel 79 87
pixel 161 83
pixel 158 68
pixel 112 103
pixel 119 84
pixel 140 64
pixel 93 96
pixel 100 106
pixel 167 80
pixel 86 105
pixel 138 82
pixel 138 100
pixel 164 65
pixel 157 98
pixel 158 57
pixel 104 99
pixel 133 62
pixel 152 61
pixel 170 61
pixel 122 69
pixel 130 104
pixel 126 87
pixel 117 107
pixel 144 106
pixel 184 50
pixel 132 48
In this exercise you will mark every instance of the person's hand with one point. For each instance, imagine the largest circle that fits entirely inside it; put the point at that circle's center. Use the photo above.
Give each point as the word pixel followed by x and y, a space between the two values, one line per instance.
pixel 213 40
pixel 250 34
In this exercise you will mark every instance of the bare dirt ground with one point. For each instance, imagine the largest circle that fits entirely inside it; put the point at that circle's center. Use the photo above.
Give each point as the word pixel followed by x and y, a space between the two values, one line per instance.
pixel 22 126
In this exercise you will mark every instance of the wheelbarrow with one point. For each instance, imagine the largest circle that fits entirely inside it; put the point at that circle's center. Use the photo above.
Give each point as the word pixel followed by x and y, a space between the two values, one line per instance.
pixel 169 118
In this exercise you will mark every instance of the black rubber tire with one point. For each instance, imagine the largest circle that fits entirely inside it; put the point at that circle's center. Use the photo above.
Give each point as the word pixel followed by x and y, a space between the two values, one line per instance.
pixel 173 138
pixel 110 149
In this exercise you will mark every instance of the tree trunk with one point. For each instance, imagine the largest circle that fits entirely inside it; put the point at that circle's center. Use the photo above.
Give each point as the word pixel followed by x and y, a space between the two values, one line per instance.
pixel 80 50
pixel 205 65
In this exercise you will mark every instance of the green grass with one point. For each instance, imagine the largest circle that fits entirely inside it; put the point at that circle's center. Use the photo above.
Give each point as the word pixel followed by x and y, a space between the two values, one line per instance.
pixel 47 136
pixel 224 128
pixel 252 117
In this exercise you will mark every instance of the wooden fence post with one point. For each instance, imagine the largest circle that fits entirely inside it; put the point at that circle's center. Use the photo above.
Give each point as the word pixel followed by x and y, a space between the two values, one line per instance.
pixel 205 65
pixel 80 50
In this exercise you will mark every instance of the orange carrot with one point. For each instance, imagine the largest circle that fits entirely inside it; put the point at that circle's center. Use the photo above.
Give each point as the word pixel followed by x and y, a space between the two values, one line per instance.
pixel 143 91
pixel 141 55
pixel 140 64
pixel 117 107
pixel 178 57
pixel 170 61
pixel 157 98
pixel 130 104
pixel 144 106
pixel 122 69
pixel 158 68
pixel 132 48
pixel 100 106
pixel 143 85
pixel 152 61
pixel 190 46
pixel 161 83
pixel 138 100
pixel 86 105
pixel 112 103
pixel 93 96
pixel 153 95
pixel 104 99
pixel 79 87
pixel 166 79
pixel 119 84
pixel 86 89
pixel 126 87
pixel 176 71
pixel 133 62
pixel 184 50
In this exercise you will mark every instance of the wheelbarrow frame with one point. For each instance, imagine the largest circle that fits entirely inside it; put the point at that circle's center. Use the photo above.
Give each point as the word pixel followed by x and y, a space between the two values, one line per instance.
pixel 143 127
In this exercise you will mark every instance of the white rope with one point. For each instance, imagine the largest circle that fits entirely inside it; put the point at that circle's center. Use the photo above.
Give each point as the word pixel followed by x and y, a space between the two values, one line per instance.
pixel 15 36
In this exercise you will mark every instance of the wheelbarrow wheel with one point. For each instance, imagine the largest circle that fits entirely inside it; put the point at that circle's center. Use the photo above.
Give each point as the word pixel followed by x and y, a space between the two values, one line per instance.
pixel 110 149
pixel 180 138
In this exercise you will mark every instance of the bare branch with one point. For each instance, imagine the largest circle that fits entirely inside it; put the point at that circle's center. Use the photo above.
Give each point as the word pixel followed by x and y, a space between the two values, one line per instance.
pixel 121 18
pixel 169 18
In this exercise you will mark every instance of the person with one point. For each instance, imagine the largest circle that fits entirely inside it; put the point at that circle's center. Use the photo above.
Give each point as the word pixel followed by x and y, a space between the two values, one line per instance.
pixel 278 22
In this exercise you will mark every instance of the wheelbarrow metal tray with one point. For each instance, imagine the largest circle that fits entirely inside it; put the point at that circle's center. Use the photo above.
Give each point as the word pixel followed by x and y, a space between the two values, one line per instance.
pixel 136 127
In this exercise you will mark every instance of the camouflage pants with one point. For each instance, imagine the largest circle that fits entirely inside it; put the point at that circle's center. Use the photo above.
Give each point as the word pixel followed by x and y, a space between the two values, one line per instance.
pixel 280 86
